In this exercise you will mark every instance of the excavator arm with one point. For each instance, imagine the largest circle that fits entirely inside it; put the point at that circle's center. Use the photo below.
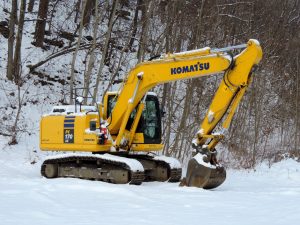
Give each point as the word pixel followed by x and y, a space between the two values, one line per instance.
pixel 187 65
pixel 203 170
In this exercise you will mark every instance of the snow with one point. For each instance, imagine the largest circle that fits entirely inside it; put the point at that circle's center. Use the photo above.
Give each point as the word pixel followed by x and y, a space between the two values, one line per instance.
pixel 67 109
pixel 133 164
pixel 261 197
pixel 201 131
pixel 88 131
pixel 151 93
pixel 255 41
pixel 200 51
pixel 173 162
pixel 229 48
pixel 199 159
pixel 210 116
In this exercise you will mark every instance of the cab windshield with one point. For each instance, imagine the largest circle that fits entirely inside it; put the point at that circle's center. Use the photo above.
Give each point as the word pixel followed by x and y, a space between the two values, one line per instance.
pixel 150 121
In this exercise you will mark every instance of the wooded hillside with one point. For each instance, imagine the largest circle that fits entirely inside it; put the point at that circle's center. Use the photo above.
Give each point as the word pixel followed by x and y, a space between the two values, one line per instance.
pixel 94 43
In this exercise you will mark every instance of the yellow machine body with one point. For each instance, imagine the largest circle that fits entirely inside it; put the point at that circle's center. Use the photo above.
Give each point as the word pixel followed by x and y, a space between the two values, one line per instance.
pixel 57 133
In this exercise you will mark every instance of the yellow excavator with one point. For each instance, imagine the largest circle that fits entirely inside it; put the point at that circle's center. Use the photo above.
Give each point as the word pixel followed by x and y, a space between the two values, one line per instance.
pixel 116 141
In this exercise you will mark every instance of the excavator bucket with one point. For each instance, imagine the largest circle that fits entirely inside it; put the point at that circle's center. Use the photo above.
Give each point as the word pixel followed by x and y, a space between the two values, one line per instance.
pixel 204 174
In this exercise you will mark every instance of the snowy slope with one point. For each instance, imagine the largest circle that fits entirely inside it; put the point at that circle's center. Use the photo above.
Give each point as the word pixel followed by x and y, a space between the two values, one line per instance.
pixel 267 196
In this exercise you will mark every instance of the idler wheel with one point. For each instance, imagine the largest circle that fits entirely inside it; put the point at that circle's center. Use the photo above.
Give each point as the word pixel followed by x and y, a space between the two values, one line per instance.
pixel 51 170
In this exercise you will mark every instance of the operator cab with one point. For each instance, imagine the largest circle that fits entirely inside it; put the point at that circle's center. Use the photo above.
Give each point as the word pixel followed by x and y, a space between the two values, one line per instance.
pixel 150 121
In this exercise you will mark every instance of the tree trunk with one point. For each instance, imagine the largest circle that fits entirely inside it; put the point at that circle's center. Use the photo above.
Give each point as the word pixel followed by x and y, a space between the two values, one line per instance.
pixel 146 12
pixel 14 128
pixel 72 80
pixel 11 40
pixel 53 11
pixel 41 23
pixel 30 5
pixel 199 24
pixel 17 55
pixel 77 10
pixel 185 114
pixel 89 8
pixel 114 75
pixel 107 38
pixel 169 120
pixel 297 102
pixel 135 23
pixel 88 73
pixel 167 86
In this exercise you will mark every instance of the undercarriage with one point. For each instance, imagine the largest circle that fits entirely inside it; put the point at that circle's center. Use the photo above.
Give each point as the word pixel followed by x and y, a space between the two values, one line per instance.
pixel 118 169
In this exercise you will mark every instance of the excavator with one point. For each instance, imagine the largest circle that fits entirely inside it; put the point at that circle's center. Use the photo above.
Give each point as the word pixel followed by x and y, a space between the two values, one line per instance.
pixel 120 140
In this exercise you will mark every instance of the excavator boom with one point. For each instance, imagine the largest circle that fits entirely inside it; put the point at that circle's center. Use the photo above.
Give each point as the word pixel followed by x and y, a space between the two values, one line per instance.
pixel 188 65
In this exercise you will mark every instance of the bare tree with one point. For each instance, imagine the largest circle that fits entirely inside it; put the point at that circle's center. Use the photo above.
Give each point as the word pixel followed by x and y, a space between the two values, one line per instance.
pixel 105 48
pixel 147 9
pixel 135 23
pixel 72 80
pixel 41 23
pixel 87 75
pixel 89 9
pixel 52 13
pixel 297 101
pixel 30 5
pixel 11 40
pixel 17 54
pixel 77 10
pixel 14 128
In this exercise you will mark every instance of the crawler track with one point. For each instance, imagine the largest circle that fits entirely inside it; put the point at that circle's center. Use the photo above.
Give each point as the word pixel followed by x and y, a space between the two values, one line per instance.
pixel 91 168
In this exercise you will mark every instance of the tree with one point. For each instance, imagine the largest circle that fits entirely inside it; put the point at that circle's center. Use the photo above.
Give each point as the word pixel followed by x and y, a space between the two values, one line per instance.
pixel 41 23
pixel 30 5
pixel 135 23
pixel 11 40
pixel 87 75
pixel 106 43
pixel 17 55
pixel 147 9
pixel 89 8
pixel 72 80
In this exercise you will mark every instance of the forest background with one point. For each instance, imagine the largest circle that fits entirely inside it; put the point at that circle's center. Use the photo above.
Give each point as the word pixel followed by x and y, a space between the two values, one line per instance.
pixel 56 46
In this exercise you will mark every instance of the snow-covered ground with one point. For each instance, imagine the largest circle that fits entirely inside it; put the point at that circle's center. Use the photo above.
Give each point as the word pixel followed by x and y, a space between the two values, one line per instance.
pixel 265 196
